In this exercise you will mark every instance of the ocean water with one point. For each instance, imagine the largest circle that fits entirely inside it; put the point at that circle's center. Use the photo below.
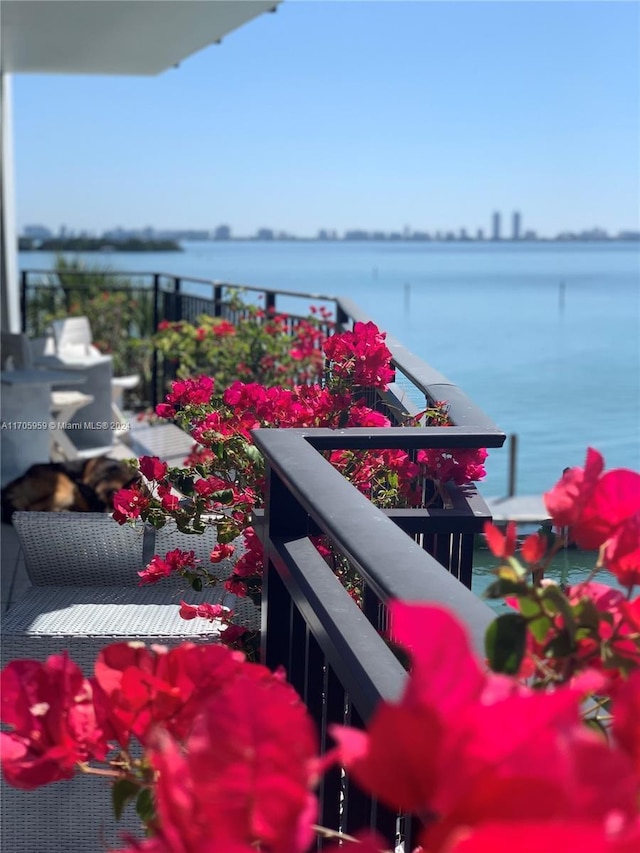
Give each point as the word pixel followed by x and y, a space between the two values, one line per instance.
pixel 544 337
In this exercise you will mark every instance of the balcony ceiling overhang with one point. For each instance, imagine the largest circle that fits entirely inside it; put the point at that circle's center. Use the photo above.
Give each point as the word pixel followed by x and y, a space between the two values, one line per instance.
pixel 138 37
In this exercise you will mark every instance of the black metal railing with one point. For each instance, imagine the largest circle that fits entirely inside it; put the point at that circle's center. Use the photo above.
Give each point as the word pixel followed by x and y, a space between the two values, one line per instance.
pixel 49 294
pixel 333 651
pixel 175 298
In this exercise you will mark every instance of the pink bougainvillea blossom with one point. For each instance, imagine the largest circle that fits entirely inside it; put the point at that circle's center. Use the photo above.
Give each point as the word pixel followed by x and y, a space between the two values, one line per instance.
pixel 595 505
pixel 49 709
pixel 205 610
pixel 152 467
pixel 173 561
pixel 455 751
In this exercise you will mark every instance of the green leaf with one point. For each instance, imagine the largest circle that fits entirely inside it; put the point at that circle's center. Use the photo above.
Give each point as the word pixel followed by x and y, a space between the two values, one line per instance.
pixel 560 646
pixel 196 584
pixel 122 792
pixel 505 643
pixel 511 572
pixel 145 805
pixel 184 483
pixel 530 606
pixel 540 628
pixel 553 595
pixel 587 614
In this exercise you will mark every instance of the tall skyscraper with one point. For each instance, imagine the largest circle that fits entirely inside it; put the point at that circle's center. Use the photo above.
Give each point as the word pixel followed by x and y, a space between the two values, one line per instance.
pixel 496 227
pixel 515 235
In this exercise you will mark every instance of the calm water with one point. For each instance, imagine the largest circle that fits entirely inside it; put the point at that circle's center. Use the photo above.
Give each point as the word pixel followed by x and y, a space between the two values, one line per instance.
pixel 562 374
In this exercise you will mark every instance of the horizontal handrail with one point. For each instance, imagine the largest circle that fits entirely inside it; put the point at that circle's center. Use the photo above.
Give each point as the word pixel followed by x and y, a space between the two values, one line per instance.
pixel 389 560
pixel 351 644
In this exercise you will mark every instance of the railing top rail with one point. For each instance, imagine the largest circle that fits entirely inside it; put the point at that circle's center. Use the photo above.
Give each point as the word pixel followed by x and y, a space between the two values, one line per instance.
pixel 408 438
pixel 361 659
pixel 194 279
pixel 389 560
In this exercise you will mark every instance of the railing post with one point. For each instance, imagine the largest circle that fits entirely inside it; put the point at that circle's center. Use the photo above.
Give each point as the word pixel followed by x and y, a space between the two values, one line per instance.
pixel 217 300
pixel 284 518
pixel 342 318
pixel 177 289
pixel 269 301
pixel 154 357
pixel 513 461
pixel 23 300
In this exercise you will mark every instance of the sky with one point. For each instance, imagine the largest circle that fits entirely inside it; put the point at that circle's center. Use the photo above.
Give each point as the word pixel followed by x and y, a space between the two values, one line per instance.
pixel 344 115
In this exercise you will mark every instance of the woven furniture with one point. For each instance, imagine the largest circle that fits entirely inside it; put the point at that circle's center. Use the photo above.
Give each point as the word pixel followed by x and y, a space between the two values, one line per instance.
pixel 84 596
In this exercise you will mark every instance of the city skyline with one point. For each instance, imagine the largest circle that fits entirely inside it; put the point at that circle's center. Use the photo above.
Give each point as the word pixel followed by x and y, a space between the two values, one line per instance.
pixel 39 232
pixel 353 116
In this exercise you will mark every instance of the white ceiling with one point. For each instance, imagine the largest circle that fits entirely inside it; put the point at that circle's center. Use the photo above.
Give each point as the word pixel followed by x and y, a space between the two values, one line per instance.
pixel 114 36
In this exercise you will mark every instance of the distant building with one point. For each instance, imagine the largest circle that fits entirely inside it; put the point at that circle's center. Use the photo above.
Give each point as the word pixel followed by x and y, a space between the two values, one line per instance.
pixel 479 234
pixel 495 235
pixel 593 234
pixel 356 235
pixel 530 235
pixel 463 234
pixel 515 233
pixel 222 232
pixel 264 234
pixel 37 232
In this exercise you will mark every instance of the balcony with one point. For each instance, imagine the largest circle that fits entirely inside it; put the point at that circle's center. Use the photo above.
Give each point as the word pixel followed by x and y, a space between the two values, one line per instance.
pixel 332 649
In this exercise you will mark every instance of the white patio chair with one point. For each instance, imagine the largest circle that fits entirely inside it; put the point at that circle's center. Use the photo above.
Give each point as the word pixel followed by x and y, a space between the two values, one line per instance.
pixel 73 338
pixel 85 596
pixel 17 354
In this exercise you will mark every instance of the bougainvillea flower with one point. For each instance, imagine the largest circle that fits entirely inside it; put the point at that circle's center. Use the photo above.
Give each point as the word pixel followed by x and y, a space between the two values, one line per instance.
pixel 152 467
pixel 501 545
pixel 593 504
pixel 244 779
pixel 622 551
pixel 568 498
pixel 49 707
pixel 462 465
pixel 533 548
pixel 169 501
pixel 129 503
pixel 221 552
pixel 173 561
pixel 455 751
pixel 626 716
pixel 549 836
pixel 205 610
pixel 361 356
pixel 137 688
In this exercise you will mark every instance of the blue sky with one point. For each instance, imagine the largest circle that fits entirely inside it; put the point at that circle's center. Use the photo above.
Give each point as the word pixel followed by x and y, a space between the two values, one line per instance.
pixel 372 115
